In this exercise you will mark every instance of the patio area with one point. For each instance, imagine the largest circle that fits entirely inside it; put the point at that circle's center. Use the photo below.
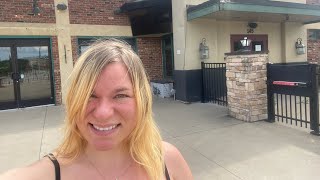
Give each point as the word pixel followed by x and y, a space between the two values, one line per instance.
pixel 215 145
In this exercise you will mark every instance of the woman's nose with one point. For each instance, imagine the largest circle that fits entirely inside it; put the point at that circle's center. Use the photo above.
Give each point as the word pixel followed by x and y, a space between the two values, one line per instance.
pixel 103 110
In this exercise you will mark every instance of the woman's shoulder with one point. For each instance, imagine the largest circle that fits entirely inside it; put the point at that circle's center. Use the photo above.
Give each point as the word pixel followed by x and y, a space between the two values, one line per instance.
pixel 175 163
pixel 42 169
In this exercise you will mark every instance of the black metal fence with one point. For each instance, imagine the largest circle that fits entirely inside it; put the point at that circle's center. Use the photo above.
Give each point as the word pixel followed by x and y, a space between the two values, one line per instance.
pixel 214 87
pixel 293 94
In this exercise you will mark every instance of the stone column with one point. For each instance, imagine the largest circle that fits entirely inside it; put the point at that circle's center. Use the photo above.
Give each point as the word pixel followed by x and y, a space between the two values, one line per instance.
pixel 246 84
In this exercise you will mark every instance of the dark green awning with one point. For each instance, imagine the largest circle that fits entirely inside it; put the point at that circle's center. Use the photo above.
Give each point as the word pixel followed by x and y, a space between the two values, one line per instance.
pixel 255 10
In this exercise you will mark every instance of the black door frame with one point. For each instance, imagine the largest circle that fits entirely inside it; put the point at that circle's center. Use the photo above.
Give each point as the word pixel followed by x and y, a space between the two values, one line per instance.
pixel 164 64
pixel 13 43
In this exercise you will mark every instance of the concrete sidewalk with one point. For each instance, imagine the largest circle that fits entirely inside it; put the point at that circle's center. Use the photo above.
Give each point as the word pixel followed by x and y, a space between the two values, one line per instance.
pixel 215 145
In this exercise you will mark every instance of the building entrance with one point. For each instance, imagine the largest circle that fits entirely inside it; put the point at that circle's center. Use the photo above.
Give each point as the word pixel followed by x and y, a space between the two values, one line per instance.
pixel 25 73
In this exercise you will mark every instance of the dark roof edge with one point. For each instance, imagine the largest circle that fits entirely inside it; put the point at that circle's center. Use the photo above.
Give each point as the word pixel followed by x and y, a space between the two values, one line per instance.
pixel 202 5
pixel 136 5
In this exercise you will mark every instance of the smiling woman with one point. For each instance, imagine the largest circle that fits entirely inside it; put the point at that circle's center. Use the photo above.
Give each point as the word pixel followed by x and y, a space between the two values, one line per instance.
pixel 109 130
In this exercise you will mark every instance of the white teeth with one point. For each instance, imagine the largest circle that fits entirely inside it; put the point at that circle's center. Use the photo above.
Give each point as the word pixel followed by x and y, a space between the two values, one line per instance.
pixel 104 129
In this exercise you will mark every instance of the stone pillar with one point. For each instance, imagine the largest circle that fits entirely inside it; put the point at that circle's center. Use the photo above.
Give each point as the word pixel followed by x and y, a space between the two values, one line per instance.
pixel 246 84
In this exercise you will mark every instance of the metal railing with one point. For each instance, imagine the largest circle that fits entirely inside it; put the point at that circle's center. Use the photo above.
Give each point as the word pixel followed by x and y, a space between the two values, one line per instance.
pixel 293 95
pixel 214 87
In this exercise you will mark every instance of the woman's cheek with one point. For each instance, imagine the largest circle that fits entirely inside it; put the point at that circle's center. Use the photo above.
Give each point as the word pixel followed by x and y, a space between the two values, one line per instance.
pixel 127 108
pixel 90 106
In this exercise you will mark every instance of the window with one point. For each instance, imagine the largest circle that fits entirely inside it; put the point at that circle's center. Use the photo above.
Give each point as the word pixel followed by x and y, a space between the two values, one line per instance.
pixel 259 43
pixel 314 34
pixel 84 43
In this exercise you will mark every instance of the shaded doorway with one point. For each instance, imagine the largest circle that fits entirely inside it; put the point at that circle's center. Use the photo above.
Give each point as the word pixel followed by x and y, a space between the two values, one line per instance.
pixel 167 56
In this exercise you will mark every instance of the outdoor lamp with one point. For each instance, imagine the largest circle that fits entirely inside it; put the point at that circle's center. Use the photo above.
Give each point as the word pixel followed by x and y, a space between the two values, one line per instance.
pixel 36 9
pixel 203 49
pixel 62 7
pixel 245 42
pixel 300 48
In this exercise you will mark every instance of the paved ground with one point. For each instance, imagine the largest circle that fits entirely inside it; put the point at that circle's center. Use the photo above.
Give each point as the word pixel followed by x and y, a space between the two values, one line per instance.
pixel 215 146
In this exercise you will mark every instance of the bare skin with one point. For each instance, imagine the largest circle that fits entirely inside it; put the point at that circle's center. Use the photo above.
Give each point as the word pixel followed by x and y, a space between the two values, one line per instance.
pixel 82 170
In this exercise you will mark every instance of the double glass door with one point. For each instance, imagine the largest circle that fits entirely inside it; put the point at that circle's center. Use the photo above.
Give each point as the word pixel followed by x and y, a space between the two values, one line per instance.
pixel 25 73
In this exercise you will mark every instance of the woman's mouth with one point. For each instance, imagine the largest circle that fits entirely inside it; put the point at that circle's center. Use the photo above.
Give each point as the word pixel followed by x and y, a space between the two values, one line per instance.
pixel 104 129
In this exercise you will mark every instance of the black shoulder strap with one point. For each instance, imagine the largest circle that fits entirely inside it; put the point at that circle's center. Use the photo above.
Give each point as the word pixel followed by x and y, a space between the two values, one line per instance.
pixel 167 174
pixel 56 165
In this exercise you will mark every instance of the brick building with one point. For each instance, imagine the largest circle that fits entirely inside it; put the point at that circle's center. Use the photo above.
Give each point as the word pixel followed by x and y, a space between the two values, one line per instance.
pixel 41 39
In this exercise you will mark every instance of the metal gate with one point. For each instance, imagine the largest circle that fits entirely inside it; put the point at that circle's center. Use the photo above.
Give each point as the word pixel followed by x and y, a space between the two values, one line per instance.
pixel 293 94
pixel 214 88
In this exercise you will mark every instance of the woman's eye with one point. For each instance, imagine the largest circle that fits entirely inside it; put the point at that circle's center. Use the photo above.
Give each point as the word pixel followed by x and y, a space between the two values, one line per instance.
pixel 121 96
pixel 92 96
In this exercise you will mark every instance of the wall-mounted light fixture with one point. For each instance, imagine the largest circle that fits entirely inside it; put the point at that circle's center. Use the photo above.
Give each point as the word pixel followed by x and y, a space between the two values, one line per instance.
pixel 35 8
pixel 245 42
pixel 62 6
pixel 300 48
pixel 203 49
pixel 251 27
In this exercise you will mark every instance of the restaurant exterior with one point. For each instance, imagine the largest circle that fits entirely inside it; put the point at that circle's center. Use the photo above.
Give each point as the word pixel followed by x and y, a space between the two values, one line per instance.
pixel 40 41
pixel 280 28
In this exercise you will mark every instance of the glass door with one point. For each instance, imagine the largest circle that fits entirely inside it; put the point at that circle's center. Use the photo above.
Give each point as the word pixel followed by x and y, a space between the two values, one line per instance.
pixel 25 73
pixel 7 88
pixel 34 68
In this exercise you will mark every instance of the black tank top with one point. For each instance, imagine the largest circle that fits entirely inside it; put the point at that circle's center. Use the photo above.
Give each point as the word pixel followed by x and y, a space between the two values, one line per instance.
pixel 57 167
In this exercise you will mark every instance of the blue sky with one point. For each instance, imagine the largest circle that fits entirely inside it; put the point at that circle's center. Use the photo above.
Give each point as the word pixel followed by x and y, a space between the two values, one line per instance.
pixel 24 52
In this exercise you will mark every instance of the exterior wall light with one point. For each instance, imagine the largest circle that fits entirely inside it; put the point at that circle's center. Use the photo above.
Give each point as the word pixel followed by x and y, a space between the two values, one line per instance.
pixel 203 49
pixel 251 27
pixel 35 8
pixel 62 7
pixel 300 48
pixel 245 42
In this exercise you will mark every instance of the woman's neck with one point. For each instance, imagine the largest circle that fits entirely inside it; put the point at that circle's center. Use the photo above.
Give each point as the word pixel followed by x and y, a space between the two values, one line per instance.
pixel 107 160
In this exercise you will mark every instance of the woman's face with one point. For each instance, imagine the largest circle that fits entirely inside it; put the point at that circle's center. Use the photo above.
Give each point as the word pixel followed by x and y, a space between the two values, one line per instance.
pixel 111 110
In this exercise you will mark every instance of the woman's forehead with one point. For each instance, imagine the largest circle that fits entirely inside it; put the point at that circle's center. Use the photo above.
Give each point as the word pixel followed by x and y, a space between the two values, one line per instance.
pixel 114 76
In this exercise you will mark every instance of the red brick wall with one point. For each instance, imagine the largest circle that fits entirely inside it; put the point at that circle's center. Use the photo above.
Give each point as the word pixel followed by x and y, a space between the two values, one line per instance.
pixel 56 63
pixel 313 49
pixel 99 12
pixel 317 2
pixel 149 50
pixel 20 11
pixel 74 46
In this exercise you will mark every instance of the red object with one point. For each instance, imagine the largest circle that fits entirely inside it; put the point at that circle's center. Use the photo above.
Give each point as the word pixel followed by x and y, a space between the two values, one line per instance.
pixel 285 83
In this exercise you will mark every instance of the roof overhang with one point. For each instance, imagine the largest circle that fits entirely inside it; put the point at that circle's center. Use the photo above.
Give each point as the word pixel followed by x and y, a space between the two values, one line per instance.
pixel 253 10
pixel 139 7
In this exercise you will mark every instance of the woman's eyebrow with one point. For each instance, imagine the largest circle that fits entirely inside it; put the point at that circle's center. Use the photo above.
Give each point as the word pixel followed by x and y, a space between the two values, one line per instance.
pixel 121 89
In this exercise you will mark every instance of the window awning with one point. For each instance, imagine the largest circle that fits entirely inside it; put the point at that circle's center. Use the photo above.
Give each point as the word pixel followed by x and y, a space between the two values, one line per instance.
pixel 253 10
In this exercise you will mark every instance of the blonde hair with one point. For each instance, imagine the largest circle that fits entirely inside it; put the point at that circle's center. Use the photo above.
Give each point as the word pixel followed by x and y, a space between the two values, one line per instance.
pixel 144 142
